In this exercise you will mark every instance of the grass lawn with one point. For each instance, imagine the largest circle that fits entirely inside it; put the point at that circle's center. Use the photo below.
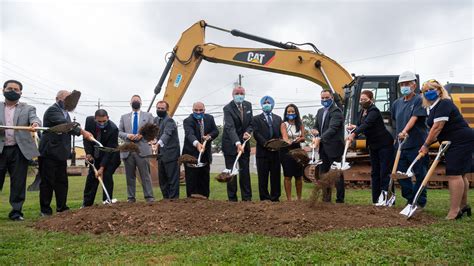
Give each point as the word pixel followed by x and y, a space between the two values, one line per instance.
pixel 440 243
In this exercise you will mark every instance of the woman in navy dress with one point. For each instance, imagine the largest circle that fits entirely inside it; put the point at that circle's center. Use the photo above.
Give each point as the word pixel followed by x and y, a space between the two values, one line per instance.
pixel 447 124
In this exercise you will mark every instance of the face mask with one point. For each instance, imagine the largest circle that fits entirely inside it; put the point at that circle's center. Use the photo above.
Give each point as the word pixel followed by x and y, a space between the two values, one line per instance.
pixel 61 104
pixel 161 113
pixel 198 116
pixel 431 95
pixel 136 105
pixel 366 104
pixel 239 98
pixel 102 126
pixel 291 116
pixel 405 90
pixel 326 103
pixel 267 108
pixel 11 95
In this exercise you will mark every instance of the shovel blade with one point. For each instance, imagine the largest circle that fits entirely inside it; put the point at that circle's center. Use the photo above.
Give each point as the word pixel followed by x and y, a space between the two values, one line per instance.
pixel 409 210
pixel 391 201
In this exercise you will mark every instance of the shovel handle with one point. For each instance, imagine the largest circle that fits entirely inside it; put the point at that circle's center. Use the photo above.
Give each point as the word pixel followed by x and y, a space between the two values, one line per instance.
pixel 397 159
pixel 23 127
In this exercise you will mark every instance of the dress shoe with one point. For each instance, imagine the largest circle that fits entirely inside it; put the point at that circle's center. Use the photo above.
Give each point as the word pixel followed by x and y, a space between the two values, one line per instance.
pixel 467 209
pixel 18 218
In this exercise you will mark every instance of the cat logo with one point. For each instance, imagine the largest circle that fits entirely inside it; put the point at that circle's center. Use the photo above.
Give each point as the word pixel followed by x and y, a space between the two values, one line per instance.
pixel 256 57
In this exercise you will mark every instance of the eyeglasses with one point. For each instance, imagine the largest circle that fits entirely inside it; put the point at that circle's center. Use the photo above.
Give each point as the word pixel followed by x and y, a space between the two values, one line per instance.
pixel 198 110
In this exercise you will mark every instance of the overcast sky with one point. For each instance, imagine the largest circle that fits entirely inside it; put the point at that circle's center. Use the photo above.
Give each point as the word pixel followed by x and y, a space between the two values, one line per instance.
pixel 110 51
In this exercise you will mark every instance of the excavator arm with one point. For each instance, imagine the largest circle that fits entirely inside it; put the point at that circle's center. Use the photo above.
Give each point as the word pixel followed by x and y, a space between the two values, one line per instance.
pixel 191 49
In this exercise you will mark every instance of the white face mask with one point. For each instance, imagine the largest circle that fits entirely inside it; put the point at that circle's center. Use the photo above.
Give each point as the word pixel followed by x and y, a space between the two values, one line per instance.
pixel 405 90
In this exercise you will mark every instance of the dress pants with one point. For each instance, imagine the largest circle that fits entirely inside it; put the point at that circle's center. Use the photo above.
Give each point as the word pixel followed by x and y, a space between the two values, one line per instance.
pixel 169 179
pixel 132 162
pixel 53 179
pixel 243 176
pixel 324 168
pixel 269 165
pixel 13 162
pixel 197 180
pixel 92 183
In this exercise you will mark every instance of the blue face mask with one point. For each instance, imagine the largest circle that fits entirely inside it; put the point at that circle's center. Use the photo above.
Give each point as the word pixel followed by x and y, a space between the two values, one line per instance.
pixel 102 126
pixel 291 116
pixel 267 108
pixel 431 95
pixel 239 98
pixel 405 90
pixel 326 103
pixel 198 116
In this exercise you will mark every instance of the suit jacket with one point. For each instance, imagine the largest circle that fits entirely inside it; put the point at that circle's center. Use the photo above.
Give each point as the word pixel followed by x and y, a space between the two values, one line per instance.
pixel 125 128
pixel 168 134
pixel 192 132
pixel 24 115
pixel 373 127
pixel 234 127
pixel 52 145
pixel 261 132
pixel 108 136
pixel 332 131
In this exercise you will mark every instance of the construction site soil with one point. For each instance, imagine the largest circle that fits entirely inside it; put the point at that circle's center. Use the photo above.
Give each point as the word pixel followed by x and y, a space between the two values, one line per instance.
pixel 196 217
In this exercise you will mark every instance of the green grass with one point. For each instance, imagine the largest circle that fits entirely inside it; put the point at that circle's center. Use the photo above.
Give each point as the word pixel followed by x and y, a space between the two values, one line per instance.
pixel 440 243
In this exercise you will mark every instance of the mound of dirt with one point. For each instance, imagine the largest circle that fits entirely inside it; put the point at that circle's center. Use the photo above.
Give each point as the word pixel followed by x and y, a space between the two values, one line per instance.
pixel 194 217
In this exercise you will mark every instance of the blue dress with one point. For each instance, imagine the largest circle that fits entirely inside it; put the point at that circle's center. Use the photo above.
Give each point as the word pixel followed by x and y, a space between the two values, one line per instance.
pixel 459 154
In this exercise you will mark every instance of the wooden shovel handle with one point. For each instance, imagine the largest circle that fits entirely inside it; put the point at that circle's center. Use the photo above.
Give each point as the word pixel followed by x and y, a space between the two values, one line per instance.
pixel 397 159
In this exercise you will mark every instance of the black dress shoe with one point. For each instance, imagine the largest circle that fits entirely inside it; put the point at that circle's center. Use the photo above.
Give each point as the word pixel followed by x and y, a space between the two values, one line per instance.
pixel 18 218
pixel 459 216
pixel 467 209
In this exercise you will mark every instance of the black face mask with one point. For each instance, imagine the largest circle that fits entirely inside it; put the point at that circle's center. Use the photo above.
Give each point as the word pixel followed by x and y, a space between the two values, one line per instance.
pixel 136 105
pixel 161 113
pixel 11 95
pixel 366 104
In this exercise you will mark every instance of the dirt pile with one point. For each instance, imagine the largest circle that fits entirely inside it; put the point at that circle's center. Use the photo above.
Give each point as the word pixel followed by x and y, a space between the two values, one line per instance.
pixel 194 217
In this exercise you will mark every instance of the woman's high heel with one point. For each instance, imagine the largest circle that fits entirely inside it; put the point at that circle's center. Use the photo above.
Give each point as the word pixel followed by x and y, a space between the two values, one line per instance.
pixel 467 209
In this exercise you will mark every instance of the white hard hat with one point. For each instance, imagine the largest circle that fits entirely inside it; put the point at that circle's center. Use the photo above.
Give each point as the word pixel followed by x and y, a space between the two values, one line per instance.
pixel 406 76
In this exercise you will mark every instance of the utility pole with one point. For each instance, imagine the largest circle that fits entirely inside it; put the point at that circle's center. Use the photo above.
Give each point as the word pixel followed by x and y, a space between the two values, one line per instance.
pixel 73 152
pixel 240 79
pixel 98 103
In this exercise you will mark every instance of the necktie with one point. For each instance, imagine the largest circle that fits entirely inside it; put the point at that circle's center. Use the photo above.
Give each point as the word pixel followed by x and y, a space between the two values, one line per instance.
pixel 270 125
pixel 135 123
pixel 241 112
pixel 201 128
pixel 98 137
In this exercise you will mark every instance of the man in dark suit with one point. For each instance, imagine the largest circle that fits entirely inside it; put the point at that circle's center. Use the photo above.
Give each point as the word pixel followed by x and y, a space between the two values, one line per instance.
pixel 17 148
pixel 106 132
pixel 168 152
pixel 329 129
pixel 199 127
pixel 237 128
pixel 55 149
pixel 266 126
pixel 130 124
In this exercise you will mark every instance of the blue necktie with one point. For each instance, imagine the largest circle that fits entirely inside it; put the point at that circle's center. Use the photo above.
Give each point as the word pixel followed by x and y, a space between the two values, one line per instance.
pixel 135 123
pixel 270 125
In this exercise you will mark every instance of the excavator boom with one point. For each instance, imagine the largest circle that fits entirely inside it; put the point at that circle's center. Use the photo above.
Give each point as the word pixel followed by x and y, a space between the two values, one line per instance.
pixel 191 49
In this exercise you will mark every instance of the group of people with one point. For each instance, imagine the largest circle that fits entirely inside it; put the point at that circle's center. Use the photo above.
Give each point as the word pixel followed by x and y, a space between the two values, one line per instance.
pixel 421 119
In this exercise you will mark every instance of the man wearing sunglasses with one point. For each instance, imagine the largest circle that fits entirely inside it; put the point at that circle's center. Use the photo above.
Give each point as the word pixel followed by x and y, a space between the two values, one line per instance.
pixel 199 127
pixel 17 148
pixel 409 116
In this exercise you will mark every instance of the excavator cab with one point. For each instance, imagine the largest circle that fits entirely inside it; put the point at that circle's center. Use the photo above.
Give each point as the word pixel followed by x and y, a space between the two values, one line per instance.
pixel 385 90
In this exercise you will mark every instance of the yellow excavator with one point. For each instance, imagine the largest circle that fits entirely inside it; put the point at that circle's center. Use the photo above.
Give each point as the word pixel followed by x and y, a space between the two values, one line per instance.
pixel 288 59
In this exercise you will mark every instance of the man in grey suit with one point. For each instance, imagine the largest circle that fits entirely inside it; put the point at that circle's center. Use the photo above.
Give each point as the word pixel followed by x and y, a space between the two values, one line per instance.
pixel 168 152
pixel 130 123
pixel 17 148
pixel 329 129
pixel 237 128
